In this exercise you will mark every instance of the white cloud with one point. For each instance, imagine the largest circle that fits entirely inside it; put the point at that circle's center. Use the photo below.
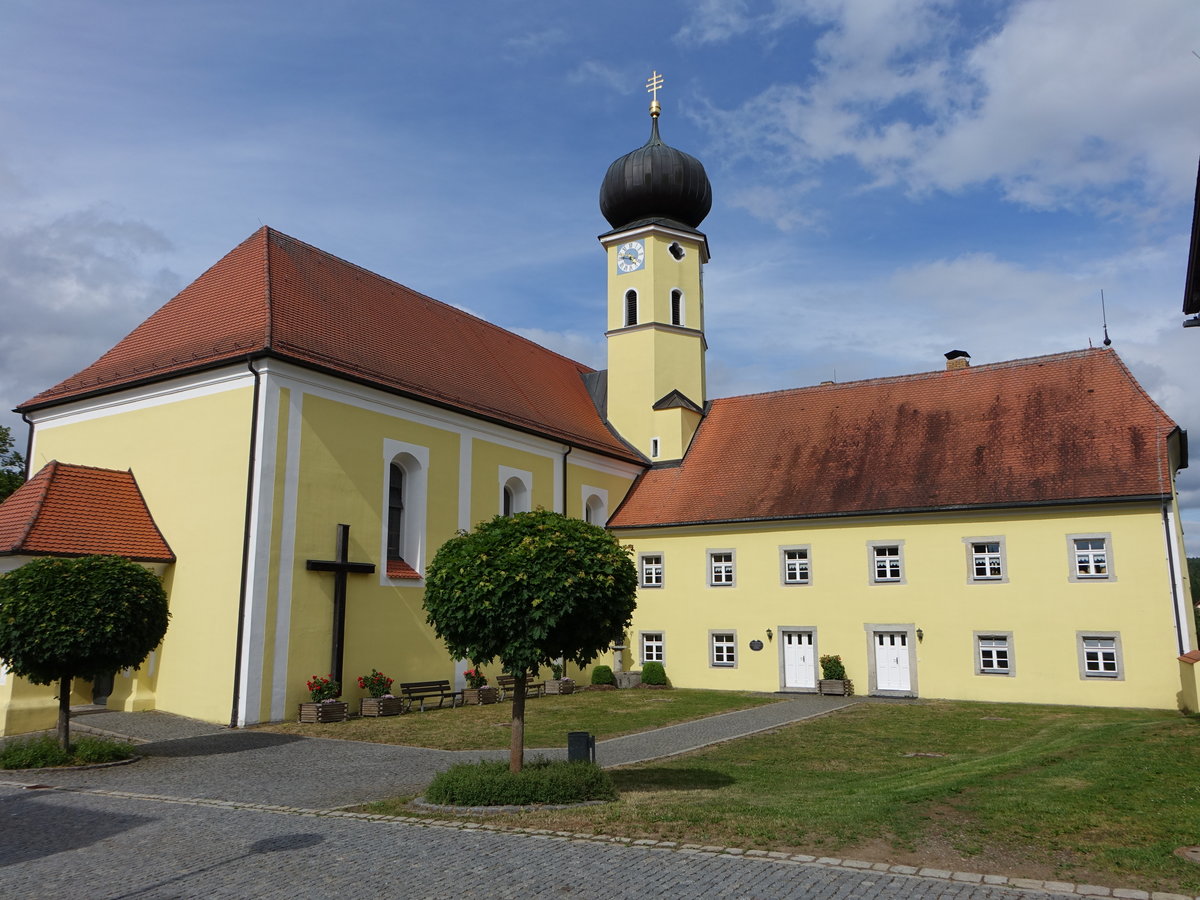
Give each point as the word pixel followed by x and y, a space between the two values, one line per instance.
pixel 1065 102
pixel 69 290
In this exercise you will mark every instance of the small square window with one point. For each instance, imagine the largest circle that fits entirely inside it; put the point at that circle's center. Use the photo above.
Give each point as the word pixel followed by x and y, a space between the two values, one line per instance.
pixel 987 562
pixel 1100 655
pixel 1090 557
pixel 651 569
pixel 888 561
pixel 720 568
pixel 796 565
pixel 653 648
pixel 724 648
pixel 993 654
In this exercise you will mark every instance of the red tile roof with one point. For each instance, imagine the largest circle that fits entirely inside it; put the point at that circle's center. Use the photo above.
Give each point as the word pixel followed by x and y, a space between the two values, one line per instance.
pixel 1069 427
pixel 67 510
pixel 276 295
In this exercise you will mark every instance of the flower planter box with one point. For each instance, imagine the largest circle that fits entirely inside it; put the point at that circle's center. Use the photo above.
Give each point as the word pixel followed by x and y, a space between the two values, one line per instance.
pixel 478 696
pixel 320 713
pixel 560 686
pixel 836 687
pixel 381 706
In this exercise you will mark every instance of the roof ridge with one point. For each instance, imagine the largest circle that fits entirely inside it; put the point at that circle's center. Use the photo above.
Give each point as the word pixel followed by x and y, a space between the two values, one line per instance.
pixel 920 376
pixel 457 310
pixel 269 323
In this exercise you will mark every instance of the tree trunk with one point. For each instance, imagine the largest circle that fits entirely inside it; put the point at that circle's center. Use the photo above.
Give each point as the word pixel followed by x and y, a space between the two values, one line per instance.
pixel 64 713
pixel 516 752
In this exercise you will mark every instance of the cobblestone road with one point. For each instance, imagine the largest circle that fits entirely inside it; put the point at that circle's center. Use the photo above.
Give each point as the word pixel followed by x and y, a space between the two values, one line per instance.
pixel 60 845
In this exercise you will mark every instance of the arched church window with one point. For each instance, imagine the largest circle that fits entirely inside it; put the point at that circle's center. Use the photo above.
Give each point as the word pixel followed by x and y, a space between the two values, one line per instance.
pixel 594 511
pixel 395 513
pixel 676 307
pixel 514 496
pixel 631 312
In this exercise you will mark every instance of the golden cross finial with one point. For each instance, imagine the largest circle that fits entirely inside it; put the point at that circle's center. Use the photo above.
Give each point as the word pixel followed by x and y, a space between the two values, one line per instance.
pixel 653 84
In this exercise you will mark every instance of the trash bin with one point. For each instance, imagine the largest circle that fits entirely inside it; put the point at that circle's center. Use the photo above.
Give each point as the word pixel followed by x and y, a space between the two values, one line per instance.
pixel 581 746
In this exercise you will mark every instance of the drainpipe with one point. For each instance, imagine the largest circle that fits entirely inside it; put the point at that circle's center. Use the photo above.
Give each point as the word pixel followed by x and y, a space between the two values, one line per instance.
pixel 28 446
pixel 1181 624
pixel 242 594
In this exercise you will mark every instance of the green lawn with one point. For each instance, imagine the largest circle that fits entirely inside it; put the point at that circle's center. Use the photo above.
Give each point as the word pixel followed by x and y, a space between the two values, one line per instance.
pixel 547 719
pixel 1076 794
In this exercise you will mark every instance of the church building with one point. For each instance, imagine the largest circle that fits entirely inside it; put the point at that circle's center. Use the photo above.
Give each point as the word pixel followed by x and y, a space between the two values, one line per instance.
pixel 289 440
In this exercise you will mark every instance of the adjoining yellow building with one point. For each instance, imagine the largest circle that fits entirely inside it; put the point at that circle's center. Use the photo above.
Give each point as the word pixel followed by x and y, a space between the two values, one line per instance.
pixel 1004 531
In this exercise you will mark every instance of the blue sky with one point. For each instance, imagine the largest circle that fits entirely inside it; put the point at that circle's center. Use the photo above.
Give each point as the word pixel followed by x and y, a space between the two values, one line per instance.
pixel 891 180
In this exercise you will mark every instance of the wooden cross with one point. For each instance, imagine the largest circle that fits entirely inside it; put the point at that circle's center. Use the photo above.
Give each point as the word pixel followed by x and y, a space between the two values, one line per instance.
pixel 340 568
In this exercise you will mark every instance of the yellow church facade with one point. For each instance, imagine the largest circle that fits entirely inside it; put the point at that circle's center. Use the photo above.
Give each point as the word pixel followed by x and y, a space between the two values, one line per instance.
pixel 992 532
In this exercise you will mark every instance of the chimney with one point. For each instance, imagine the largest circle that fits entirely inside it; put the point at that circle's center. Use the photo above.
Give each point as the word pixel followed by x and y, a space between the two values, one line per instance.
pixel 957 359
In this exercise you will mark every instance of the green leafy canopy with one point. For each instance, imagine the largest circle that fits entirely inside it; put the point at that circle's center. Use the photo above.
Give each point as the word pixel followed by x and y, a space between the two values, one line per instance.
pixel 12 465
pixel 62 618
pixel 529 588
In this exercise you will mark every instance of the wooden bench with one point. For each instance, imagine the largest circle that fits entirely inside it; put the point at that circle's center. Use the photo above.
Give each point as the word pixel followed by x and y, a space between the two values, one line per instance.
pixel 420 691
pixel 508 683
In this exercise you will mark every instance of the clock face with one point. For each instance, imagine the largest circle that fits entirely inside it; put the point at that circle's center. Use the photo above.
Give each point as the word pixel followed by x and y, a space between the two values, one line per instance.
pixel 631 256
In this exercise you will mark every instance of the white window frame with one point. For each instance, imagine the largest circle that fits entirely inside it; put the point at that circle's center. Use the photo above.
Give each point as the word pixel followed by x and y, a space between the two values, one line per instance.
pixel 873 556
pixel 727 576
pixel 722 644
pixel 414 461
pixel 975 557
pixel 655 445
pixel 804 565
pixel 1105 550
pixel 986 644
pixel 1100 655
pixel 644 565
pixel 652 646
pixel 520 484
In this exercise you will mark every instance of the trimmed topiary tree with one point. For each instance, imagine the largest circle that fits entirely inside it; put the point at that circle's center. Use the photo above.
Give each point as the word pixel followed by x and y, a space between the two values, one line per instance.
pixel 65 618
pixel 528 589
pixel 603 675
pixel 653 673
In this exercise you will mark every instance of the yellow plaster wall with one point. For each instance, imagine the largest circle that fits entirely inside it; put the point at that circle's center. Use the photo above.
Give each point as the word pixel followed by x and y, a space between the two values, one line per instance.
pixel 189 458
pixel 1038 604
pixel 342 480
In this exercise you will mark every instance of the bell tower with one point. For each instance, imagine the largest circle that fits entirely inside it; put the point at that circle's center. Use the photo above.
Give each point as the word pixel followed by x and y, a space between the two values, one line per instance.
pixel 654 198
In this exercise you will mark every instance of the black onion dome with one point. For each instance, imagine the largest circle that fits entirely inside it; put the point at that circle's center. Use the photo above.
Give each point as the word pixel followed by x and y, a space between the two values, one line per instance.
pixel 655 183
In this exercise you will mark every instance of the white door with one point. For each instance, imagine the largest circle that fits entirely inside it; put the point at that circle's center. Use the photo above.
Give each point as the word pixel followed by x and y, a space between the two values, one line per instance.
pixel 799 665
pixel 891 661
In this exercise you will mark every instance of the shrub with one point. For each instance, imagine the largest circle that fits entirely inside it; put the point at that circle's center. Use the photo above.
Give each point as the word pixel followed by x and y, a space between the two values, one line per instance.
pixel 832 668
pixel 603 675
pixel 542 781
pixel 323 688
pixel 653 673
pixel 376 684
pixel 92 750
pixel 33 753
pixel 44 752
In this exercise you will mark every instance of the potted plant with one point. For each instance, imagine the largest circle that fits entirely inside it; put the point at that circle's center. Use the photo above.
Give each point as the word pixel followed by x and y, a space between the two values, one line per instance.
pixel 477 690
pixel 833 677
pixel 559 684
pixel 381 702
pixel 324 705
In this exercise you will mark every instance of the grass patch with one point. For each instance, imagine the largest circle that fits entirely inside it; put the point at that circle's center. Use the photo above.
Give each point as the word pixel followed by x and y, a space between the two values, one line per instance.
pixel 1098 796
pixel 44 751
pixel 547 719
pixel 540 781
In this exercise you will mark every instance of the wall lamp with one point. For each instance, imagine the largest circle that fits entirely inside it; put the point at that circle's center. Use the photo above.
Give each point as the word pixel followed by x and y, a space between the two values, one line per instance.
pixel 770 635
pixel 920 635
